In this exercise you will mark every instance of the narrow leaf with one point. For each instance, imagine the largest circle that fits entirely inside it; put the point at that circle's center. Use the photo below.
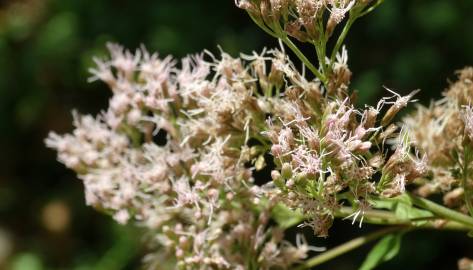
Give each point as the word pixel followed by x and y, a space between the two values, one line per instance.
pixel 386 249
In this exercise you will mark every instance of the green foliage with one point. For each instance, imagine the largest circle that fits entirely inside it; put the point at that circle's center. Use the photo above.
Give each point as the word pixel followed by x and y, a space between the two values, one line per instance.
pixel 403 208
pixel 386 249
pixel 285 217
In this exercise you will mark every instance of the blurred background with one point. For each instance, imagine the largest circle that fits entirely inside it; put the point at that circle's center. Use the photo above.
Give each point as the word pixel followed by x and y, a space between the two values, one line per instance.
pixel 46 47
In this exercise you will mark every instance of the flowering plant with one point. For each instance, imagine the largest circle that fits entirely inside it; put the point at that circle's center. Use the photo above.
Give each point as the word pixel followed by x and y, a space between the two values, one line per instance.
pixel 184 147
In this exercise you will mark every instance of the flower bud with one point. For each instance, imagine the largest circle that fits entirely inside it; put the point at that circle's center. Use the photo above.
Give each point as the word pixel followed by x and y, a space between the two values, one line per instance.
pixel 400 103
pixel 179 253
pixel 286 171
pixel 275 175
pixel 388 132
pixel 290 183
pixel 265 9
pixel 331 24
pixel 294 30
pixel 376 161
pixel 183 241
pixel 276 77
pixel 370 117
pixel 293 93
pixel 276 150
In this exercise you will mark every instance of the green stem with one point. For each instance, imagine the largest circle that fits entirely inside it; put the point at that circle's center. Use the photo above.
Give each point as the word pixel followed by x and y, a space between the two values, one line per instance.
pixel 304 59
pixel 320 47
pixel 283 36
pixel 442 211
pixel 466 189
pixel 381 217
pixel 263 26
pixel 379 2
pixel 320 50
pixel 342 37
pixel 348 246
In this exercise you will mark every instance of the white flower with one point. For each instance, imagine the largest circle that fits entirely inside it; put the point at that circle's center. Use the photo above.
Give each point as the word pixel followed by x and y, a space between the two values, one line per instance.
pixel 122 216
pixel 468 120
pixel 338 9
pixel 306 161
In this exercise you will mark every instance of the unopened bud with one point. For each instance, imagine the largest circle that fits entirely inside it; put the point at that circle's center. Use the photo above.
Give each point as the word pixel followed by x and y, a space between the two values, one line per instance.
pixel 314 93
pixel 358 146
pixel 229 196
pixel 265 9
pixel 276 77
pixel 301 178
pixel 286 171
pixel 331 24
pixel 183 241
pixel 293 93
pixel 294 30
pixel 376 161
pixel 179 253
pixel 400 103
pixel 291 195
pixel 277 179
pixel 389 116
pixel 388 132
pixel 370 117
pixel 290 183
pixel 276 150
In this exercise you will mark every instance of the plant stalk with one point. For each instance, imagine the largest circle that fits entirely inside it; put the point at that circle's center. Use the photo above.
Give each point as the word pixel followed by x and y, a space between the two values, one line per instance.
pixel 341 38
pixel 348 246
pixel 442 211
pixel 379 2
pixel 304 59
pixel 381 217
pixel 464 182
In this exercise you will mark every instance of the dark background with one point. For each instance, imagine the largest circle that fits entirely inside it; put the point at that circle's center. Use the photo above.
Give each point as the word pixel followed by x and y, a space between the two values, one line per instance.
pixel 46 47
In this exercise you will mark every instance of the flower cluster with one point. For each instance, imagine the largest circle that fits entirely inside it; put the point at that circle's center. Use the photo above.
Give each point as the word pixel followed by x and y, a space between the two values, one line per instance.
pixel 209 152
pixel 447 144
pixel 312 21
pixel 218 119
pixel 302 19
pixel 173 153
pixel 325 151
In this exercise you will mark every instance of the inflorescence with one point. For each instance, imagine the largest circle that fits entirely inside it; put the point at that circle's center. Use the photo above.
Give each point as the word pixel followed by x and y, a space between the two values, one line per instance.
pixel 179 147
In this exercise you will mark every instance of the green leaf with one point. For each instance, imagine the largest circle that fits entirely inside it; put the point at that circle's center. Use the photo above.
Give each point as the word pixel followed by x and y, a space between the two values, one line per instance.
pixel 405 211
pixel 286 217
pixel 403 208
pixel 383 203
pixel 386 249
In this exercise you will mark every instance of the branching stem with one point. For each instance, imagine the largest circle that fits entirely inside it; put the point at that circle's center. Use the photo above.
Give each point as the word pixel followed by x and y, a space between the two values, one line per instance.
pixel 284 38
pixel 304 59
